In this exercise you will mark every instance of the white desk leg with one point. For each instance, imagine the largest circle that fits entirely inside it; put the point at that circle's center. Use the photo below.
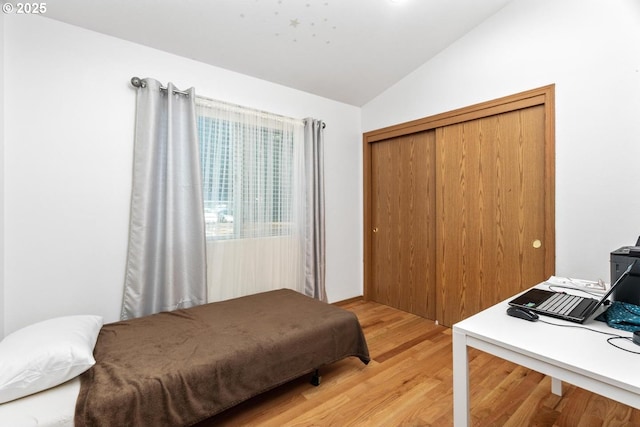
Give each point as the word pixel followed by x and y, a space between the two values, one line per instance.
pixel 556 386
pixel 461 416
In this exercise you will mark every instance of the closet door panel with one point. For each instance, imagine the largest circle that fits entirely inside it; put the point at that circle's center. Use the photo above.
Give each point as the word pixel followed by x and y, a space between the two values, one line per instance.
pixel 402 215
pixel 490 210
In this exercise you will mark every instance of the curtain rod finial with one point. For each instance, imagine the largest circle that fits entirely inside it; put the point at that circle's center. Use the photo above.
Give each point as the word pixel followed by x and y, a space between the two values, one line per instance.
pixel 137 82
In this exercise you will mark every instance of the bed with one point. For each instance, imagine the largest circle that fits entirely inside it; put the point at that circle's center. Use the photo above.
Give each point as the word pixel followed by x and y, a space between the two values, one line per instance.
pixel 181 367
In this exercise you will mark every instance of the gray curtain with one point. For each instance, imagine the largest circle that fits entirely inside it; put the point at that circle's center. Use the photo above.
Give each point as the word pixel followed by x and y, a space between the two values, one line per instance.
pixel 314 181
pixel 166 264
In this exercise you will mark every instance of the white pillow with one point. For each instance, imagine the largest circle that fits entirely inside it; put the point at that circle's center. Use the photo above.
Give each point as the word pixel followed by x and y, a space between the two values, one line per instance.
pixel 46 354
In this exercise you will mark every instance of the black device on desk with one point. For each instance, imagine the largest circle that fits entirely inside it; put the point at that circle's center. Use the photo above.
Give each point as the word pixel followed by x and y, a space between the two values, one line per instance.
pixel 621 259
pixel 522 313
pixel 565 306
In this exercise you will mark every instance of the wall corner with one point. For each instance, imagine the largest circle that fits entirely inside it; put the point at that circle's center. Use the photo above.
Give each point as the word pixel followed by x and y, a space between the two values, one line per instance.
pixel 2 138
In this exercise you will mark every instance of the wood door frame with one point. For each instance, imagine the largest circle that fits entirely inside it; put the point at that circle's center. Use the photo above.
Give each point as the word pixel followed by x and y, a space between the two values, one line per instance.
pixel 541 96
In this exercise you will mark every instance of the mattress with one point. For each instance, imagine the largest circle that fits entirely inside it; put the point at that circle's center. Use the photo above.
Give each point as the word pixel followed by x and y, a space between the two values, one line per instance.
pixel 50 408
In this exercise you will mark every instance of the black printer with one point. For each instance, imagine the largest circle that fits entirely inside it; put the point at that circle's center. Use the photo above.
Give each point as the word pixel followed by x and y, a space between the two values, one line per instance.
pixel 629 289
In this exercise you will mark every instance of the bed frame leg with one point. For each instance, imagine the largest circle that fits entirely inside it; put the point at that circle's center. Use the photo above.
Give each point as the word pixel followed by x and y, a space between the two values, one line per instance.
pixel 315 378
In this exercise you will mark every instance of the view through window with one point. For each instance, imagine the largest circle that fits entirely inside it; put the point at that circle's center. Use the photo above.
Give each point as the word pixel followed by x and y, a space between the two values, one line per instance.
pixel 248 179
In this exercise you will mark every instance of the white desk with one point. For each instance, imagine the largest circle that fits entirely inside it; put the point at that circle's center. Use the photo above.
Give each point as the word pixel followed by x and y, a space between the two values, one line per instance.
pixel 580 357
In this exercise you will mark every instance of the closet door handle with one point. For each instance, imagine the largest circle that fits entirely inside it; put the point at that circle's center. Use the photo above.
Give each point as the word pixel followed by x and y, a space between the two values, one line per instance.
pixel 375 229
pixel 536 244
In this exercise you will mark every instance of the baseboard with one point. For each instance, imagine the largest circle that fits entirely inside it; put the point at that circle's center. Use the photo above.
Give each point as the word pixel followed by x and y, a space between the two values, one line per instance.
pixel 348 301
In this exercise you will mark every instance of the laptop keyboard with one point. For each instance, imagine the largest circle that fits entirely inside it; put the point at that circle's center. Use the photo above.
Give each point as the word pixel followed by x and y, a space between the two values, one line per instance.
pixel 560 303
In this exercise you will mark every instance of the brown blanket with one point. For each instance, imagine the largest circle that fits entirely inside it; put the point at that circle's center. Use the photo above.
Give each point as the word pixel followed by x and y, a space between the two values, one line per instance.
pixel 178 368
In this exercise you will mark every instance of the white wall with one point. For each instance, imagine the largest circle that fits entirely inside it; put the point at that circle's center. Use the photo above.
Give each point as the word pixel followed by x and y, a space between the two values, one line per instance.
pixel 1 174
pixel 69 142
pixel 590 49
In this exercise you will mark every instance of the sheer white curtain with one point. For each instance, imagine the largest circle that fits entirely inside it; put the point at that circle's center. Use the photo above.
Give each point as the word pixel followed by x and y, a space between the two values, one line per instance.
pixel 254 198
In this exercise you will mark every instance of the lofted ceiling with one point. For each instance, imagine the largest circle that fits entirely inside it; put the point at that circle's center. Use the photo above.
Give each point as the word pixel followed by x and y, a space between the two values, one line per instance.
pixel 345 50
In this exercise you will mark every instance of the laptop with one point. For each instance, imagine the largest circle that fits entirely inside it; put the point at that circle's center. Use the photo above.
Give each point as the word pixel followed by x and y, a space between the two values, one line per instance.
pixel 566 306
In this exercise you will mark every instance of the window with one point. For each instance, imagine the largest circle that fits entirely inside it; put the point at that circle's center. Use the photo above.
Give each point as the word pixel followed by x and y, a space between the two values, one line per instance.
pixel 251 166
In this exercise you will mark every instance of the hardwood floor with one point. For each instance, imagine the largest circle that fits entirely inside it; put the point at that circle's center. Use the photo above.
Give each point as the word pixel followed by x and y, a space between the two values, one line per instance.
pixel 409 383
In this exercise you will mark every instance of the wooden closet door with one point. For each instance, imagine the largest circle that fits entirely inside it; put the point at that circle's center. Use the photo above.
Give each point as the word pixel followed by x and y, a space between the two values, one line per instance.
pixel 403 223
pixel 490 210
